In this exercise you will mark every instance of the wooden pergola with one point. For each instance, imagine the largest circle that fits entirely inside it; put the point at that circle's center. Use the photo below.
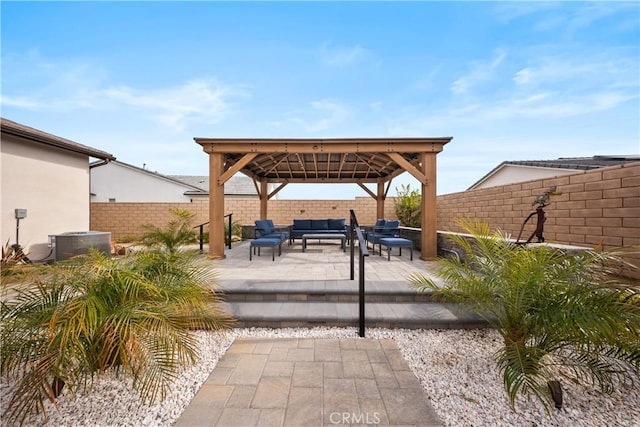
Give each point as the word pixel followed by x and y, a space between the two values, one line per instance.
pixel 353 160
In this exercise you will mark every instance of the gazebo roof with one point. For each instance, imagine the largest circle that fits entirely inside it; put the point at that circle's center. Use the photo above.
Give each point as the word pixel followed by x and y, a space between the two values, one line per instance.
pixel 346 160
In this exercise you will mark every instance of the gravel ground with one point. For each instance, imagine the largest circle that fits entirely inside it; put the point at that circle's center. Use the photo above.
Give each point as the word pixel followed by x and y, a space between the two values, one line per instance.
pixel 455 368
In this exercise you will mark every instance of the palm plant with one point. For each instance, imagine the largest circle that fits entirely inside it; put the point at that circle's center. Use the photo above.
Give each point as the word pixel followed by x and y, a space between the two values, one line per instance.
pixel 75 319
pixel 178 231
pixel 551 308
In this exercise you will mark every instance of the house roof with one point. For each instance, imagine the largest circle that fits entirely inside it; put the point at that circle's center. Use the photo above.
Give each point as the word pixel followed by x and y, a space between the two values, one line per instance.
pixel 574 163
pixel 235 186
pixel 196 185
pixel 190 189
pixel 10 127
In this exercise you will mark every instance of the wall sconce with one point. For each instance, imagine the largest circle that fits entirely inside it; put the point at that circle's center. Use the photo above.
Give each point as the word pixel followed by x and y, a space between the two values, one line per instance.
pixel 302 211
pixel 334 207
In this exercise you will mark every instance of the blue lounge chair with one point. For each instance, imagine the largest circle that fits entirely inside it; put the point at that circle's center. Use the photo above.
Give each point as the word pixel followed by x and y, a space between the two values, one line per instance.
pixel 391 228
pixel 266 229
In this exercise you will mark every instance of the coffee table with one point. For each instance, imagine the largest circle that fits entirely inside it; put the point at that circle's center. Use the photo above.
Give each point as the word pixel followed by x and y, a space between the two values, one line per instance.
pixel 320 236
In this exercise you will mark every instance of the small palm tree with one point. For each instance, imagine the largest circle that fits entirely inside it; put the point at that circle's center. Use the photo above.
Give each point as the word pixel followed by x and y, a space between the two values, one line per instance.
pixel 178 232
pixel 93 313
pixel 551 308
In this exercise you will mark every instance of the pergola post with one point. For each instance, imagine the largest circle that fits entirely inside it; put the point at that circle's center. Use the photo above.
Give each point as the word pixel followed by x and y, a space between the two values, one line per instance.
pixel 216 206
pixel 429 221
pixel 380 196
pixel 264 198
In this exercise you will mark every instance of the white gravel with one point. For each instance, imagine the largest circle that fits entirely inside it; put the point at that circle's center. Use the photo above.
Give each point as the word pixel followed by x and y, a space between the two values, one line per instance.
pixel 455 367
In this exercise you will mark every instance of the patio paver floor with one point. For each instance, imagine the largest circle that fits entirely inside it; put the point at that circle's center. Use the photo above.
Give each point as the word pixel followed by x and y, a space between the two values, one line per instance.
pixel 310 382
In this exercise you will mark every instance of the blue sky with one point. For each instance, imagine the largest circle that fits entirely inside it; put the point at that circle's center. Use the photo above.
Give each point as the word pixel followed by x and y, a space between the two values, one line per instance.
pixel 507 80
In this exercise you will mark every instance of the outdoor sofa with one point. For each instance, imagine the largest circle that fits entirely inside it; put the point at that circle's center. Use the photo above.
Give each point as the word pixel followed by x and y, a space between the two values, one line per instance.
pixel 301 227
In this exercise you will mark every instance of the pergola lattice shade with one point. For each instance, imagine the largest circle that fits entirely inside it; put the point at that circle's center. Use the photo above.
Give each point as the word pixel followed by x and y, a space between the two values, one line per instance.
pixel 323 167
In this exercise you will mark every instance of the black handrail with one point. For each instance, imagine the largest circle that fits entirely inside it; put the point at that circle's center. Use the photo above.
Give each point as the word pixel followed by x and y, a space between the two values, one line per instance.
pixel 363 251
pixel 201 226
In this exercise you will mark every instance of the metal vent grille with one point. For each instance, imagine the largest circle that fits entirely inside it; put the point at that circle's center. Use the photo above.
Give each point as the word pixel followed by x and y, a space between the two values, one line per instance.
pixel 68 245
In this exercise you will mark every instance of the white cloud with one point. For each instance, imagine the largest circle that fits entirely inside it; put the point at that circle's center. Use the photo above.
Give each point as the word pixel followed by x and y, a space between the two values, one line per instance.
pixel 202 101
pixel 340 56
pixel 479 71
pixel 334 114
pixel 568 17
pixel 324 115
pixel 578 71
pixel 76 85
pixel 509 11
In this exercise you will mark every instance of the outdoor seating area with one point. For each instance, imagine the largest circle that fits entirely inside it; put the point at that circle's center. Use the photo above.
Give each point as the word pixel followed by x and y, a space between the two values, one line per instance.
pixel 384 233
pixel 267 235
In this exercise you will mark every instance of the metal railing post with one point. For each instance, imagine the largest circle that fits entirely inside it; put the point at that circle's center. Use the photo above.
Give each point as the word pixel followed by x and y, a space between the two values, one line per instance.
pixel 201 235
pixel 352 249
pixel 361 295
pixel 363 251
pixel 230 232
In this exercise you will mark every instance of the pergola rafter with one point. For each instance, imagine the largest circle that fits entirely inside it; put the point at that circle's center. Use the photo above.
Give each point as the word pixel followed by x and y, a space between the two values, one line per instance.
pixel 346 160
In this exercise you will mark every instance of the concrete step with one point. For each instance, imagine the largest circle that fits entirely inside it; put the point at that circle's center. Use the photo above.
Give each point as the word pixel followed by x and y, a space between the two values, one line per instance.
pixel 346 296
pixel 410 315
pixel 330 291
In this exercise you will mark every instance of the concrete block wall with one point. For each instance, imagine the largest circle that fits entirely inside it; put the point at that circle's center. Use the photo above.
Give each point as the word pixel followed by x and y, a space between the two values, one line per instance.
pixel 125 220
pixel 597 208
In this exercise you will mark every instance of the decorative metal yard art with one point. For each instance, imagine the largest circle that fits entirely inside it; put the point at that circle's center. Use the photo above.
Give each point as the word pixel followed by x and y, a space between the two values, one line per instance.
pixel 541 201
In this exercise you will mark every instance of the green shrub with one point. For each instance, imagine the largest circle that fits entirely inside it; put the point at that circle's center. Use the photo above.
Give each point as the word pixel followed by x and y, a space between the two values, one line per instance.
pixel 407 205
pixel 178 231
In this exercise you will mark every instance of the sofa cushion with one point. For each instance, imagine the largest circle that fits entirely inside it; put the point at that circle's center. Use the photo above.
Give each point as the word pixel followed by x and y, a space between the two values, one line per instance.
pixel 302 224
pixel 336 224
pixel 319 224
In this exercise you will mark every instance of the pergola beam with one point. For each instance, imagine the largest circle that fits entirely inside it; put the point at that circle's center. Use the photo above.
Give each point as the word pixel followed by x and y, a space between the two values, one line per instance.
pixel 335 146
pixel 402 162
pixel 237 167
pixel 371 193
pixel 274 192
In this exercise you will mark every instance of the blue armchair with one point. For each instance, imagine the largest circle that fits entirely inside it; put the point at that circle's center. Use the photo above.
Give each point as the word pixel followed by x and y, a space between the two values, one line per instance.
pixel 266 229
pixel 390 228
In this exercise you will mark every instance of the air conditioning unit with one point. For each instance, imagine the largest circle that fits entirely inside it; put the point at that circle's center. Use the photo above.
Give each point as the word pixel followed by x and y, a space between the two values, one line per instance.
pixel 67 245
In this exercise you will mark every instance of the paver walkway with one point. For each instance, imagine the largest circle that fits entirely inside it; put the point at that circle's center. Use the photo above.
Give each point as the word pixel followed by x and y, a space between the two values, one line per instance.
pixel 310 382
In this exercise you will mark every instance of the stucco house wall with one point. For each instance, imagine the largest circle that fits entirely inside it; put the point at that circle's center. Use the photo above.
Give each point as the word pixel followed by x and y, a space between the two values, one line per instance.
pixel 50 182
pixel 120 182
pixel 509 174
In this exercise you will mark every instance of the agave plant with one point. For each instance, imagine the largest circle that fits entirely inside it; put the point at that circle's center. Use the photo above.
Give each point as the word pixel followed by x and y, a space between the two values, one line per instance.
pixel 75 319
pixel 552 309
